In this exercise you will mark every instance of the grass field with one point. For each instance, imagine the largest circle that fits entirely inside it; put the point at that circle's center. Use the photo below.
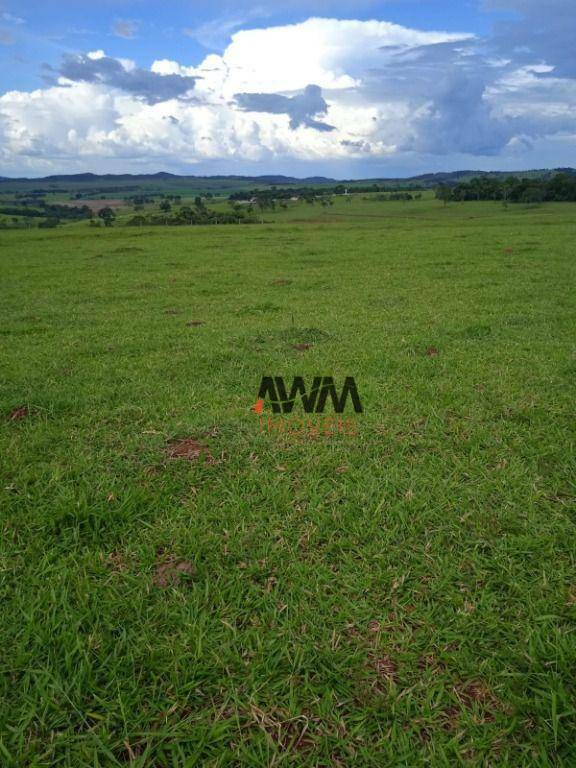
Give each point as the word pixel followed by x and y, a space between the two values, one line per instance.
pixel 402 597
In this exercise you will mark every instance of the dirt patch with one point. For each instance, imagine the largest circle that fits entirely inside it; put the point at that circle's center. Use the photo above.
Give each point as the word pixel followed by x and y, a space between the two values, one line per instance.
pixel 385 667
pixel 301 347
pixel 117 562
pixel 430 662
pixel 194 323
pixel 473 693
pixel 451 718
pixel 172 311
pixel 189 449
pixel 19 413
pixel 281 282
pixel 432 352
pixel 170 572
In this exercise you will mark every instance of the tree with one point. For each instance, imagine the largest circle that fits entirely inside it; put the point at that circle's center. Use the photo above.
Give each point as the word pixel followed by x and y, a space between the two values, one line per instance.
pixel 185 215
pixel 533 195
pixel 49 223
pixel 136 221
pixel 444 192
pixel 107 215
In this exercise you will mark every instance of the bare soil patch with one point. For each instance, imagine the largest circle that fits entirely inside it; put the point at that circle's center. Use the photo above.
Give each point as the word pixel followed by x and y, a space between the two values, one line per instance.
pixel 189 449
pixel 170 571
pixel 19 413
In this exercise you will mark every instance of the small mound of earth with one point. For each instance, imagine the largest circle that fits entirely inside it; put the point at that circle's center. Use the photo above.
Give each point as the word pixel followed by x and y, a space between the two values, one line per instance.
pixel 189 449
pixel 169 572
pixel 193 323
pixel 301 347
pixel 19 413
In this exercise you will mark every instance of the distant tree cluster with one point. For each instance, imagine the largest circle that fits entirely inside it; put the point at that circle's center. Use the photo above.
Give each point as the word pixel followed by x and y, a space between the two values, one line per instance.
pixel 107 215
pixel 42 209
pixel 311 194
pixel 138 201
pixel 52 214
pixel 559 188
pixel 31 196
pixel 404 196
pixel 187 215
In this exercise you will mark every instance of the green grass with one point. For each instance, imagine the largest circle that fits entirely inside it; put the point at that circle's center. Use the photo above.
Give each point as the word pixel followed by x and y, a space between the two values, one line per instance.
pixel 403 597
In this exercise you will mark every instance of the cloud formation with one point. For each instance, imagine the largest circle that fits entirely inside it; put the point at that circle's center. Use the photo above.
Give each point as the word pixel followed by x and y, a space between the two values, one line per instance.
pixel 321 90
pixel 101 70
pixel 9 18
pixel 544 33
pixel 301 108
pixel 124 28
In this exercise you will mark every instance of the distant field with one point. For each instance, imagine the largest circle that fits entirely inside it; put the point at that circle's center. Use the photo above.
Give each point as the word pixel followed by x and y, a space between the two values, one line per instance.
pixel 405 596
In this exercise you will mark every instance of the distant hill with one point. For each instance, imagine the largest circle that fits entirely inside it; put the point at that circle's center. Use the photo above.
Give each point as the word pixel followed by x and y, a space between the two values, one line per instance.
pixel 101 185
pixel 457 176
pixel 163 176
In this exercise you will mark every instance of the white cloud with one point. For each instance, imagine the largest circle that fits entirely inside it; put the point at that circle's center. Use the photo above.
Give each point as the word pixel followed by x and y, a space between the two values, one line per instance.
pixel 9 18
pixel 324 89
pixel 216 33
pixel 330 53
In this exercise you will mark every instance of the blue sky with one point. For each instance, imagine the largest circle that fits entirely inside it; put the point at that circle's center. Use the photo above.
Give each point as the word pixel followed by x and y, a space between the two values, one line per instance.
pixel 344 89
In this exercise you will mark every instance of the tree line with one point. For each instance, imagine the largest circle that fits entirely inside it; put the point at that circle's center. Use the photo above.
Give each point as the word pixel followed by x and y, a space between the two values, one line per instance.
pixel 51 213
pixel 513 189
pixel 312 193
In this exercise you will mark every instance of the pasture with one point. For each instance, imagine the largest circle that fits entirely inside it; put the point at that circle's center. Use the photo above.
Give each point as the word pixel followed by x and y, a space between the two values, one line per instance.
pixel 403 596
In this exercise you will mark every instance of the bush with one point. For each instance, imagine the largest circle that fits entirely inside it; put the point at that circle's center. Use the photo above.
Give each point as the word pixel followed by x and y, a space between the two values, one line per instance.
pixel 49 223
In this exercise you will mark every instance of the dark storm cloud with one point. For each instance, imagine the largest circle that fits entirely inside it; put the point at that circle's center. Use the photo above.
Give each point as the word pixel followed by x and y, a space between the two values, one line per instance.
pixel 459 119
pixel 301 108
pixel 545 31
pixel 450 80
pixel 150 86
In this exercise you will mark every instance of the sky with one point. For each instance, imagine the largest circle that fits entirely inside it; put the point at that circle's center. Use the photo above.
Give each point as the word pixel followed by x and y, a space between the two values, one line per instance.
pixel 363 89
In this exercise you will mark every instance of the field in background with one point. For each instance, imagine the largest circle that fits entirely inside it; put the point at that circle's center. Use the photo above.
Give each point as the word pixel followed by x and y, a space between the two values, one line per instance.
pixel 406 596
